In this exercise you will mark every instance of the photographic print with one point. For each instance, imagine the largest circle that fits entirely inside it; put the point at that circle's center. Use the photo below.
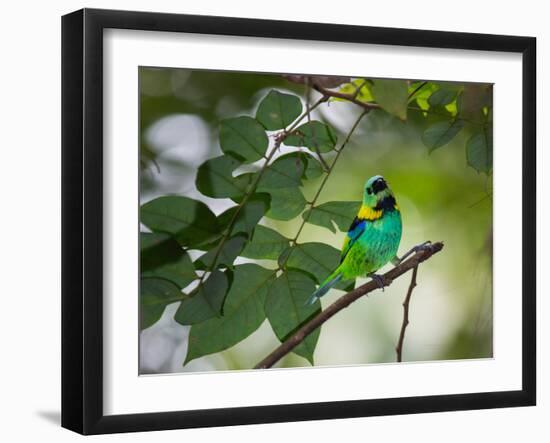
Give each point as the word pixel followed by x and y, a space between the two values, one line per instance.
pixel 263 225
pixel 298 221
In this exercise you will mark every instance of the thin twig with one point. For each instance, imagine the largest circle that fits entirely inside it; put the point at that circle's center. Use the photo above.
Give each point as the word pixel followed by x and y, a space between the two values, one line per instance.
pixel 412 285
pixel 233 220
pixel 278 140
pixel 481 200
pixel 358 89
pixel 311 204
pixel 344 301
pixel 308 112
pixel 412 94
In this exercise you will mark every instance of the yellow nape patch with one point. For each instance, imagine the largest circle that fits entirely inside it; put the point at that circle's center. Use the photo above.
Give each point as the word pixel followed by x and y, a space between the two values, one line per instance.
pixel 366 213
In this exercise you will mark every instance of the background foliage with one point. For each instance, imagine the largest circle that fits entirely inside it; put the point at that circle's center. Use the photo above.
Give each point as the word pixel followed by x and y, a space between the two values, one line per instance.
pixel 240 221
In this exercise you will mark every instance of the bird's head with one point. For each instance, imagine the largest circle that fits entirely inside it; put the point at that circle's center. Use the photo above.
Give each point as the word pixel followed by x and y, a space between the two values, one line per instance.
pixel 377 194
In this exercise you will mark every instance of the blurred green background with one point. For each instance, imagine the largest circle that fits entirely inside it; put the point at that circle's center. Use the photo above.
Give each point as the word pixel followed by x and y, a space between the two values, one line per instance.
pixel 441 199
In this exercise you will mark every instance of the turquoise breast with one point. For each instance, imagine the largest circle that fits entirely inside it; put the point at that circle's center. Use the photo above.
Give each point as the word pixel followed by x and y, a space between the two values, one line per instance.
pixel 376 246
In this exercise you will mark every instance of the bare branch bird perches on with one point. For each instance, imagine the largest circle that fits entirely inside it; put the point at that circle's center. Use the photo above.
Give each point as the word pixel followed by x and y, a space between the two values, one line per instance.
pixel 289 344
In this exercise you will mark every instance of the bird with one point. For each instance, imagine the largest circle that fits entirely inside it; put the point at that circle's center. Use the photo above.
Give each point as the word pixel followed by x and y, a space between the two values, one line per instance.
pixel 372 239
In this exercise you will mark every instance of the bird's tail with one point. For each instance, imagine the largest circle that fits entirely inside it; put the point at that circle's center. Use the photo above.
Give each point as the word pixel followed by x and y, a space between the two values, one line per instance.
pixel 324 287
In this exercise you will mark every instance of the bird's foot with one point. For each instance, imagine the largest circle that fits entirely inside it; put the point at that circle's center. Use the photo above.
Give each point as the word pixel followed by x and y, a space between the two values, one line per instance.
pixel 415 249
pixel 380 281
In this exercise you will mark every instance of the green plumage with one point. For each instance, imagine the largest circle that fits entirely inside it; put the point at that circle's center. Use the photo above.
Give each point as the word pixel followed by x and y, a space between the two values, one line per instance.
pixel 372 239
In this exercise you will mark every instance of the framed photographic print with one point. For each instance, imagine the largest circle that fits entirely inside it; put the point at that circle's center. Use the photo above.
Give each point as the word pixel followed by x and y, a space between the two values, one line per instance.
pixel 270 221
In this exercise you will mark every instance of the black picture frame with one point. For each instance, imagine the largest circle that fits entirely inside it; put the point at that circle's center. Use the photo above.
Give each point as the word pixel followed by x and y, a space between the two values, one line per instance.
pixel 82 219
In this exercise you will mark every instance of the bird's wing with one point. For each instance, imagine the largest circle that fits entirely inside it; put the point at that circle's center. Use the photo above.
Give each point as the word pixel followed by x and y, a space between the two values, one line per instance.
pixel 355 230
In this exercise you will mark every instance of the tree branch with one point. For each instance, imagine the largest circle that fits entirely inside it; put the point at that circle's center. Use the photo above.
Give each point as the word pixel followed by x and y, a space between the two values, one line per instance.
pixel 288 345
pixel 349 97
pixel 352 98
pixel 412 285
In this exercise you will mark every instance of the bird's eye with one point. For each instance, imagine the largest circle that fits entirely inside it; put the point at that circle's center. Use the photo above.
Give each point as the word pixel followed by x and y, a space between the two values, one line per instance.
pixel 369 191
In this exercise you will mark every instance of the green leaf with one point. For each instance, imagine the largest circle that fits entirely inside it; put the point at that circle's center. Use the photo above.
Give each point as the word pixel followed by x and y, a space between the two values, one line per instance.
pixel 157 249
pixel 442 97
pixel 189 221
pixel 363 95
pixel 278 110
pixel 151 240
pixel 229 252
pixel 180 272
pixel 479 151
pixel 215 178
pixel 314 135
pixel 205 303
pixel 154 295
pixel 296 162
pixel 286 203
pixel 392 96
pixel 283 258
pixel 243 313
pixel 340 212
pixel 314 169
pixel 317 259
pixel 422 95
pixel 248 217
pixel 285 172
pixel 439 134
pixel 243 138
pixel 266 243
pixel 287 309
pixel 452 107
